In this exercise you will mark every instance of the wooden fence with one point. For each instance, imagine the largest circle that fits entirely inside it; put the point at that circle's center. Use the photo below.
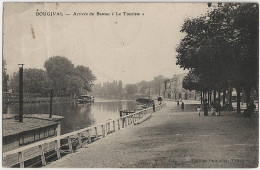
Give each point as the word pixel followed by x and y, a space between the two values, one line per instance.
pixel 40 153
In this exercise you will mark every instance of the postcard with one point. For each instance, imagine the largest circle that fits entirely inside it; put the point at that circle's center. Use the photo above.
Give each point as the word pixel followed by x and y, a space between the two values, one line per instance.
pixel 130 85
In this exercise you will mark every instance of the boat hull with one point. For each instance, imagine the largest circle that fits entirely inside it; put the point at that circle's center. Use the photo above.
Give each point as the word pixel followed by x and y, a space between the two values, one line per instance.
pixel 85 100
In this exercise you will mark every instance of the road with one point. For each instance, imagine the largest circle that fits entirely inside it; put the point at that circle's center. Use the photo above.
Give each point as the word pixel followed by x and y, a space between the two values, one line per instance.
pixel 172 138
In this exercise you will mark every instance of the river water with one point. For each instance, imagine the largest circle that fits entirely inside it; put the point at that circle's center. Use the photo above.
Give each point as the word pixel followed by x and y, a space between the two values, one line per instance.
pixel 76 116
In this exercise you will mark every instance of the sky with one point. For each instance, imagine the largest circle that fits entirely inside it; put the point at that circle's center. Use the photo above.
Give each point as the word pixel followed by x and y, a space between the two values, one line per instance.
pixel 127 48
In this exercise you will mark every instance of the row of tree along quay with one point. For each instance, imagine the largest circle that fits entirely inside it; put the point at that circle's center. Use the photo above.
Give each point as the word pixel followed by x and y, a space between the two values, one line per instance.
pixel 220 50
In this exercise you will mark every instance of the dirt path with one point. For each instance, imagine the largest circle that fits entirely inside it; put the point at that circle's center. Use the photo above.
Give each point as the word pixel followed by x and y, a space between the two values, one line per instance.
pixel 172 138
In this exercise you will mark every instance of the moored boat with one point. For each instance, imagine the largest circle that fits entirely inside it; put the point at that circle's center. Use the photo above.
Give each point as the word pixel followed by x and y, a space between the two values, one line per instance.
pixel 86 98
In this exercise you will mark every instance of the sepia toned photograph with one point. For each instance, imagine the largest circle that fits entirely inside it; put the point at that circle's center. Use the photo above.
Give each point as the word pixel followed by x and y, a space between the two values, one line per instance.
pixel 130 85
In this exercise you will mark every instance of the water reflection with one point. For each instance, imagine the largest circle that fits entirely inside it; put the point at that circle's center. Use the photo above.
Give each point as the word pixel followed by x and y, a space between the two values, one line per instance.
pixel 76 116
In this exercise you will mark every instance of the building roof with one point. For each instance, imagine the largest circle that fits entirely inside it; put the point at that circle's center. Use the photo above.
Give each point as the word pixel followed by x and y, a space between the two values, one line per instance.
pixel 30 123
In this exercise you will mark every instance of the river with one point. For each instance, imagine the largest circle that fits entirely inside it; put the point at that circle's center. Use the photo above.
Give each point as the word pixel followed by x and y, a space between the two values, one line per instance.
pixel 76 116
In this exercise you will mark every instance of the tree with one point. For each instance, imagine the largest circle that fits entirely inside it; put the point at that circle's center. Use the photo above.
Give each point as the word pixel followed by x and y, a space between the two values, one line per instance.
pixel 131 89
pixel 191 82
pixel 5 77
pixel 59 70
pixel 120 87
pixel 74 85
pixel 67 79
pixel 85 74
pixel 246 22
pixel 165 82
pixel 142 87
pixel 34 81
pixel 157 82
pixel 221 48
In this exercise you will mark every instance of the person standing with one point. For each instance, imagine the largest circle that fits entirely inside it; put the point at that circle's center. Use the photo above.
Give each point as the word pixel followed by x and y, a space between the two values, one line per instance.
pixel 213 109
pixel 182 106
pixel 198 110
pixel 153 106
pixel 251 108
pixel 218 108
pixel 205 107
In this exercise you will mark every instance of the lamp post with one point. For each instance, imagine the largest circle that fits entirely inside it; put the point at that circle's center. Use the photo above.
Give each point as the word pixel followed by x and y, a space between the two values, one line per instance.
pixel 51 103
pixel 20 92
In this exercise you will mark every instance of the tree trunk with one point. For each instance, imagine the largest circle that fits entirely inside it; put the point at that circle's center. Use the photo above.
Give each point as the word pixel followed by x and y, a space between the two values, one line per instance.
pixel 238 101
pixel 208 98
pixel 219 97
pixel 224 97
pixel 201 99
pixel 248 94
pixel 214 94
pixel 230 99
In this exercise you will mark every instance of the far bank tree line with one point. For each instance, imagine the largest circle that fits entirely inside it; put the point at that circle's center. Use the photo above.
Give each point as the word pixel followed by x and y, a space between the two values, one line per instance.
pixel 220 50
pixel 116 89
pixel 60 75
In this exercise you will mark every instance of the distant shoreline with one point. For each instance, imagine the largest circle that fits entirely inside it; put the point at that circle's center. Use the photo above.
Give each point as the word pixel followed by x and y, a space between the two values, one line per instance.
pixel 15 100
pixel 37 100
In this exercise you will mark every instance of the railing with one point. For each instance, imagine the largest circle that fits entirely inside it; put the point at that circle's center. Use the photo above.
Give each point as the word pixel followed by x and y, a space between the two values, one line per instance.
pixel 39 153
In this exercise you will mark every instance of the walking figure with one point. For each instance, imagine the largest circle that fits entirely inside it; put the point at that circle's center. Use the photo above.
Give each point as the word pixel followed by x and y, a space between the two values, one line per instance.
pixel 205 107
pixel 153 107
pixel 178 103
pixel 250 109
pixel 213 109
pixel 198 110
pixel 159 100
pixel 218 108
pixel 182 106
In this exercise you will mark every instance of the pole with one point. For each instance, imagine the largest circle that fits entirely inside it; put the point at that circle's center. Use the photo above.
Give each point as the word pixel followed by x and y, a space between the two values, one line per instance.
pixel 51 104
pixel 21 92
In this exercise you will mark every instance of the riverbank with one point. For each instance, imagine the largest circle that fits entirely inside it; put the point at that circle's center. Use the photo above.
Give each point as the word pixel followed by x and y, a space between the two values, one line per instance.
pixel 36 100
pixel 172 138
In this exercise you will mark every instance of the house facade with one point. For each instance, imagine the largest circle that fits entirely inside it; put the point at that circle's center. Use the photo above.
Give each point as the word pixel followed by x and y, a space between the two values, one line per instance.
pixel 174 90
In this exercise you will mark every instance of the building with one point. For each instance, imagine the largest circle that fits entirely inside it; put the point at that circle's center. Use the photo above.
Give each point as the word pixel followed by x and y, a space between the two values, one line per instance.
pixel 175 91
pixel 34 128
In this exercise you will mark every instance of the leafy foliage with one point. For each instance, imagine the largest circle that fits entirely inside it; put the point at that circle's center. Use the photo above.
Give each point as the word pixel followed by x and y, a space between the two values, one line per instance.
pixel 5 77
pixel 111 89
pixel 67 79
pixel 221 48
pixel 131 89
pixel 35 81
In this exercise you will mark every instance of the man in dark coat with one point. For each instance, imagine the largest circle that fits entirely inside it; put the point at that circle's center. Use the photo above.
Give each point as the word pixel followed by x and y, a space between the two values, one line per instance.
pixel 218 108
pixel 182 106
pixel 153 106
pixel 159 100
pixel 205 107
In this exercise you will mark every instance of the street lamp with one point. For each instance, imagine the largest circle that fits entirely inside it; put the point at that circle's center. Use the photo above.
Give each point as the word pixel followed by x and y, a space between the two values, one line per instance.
pixel 20 92
pixel 51 103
